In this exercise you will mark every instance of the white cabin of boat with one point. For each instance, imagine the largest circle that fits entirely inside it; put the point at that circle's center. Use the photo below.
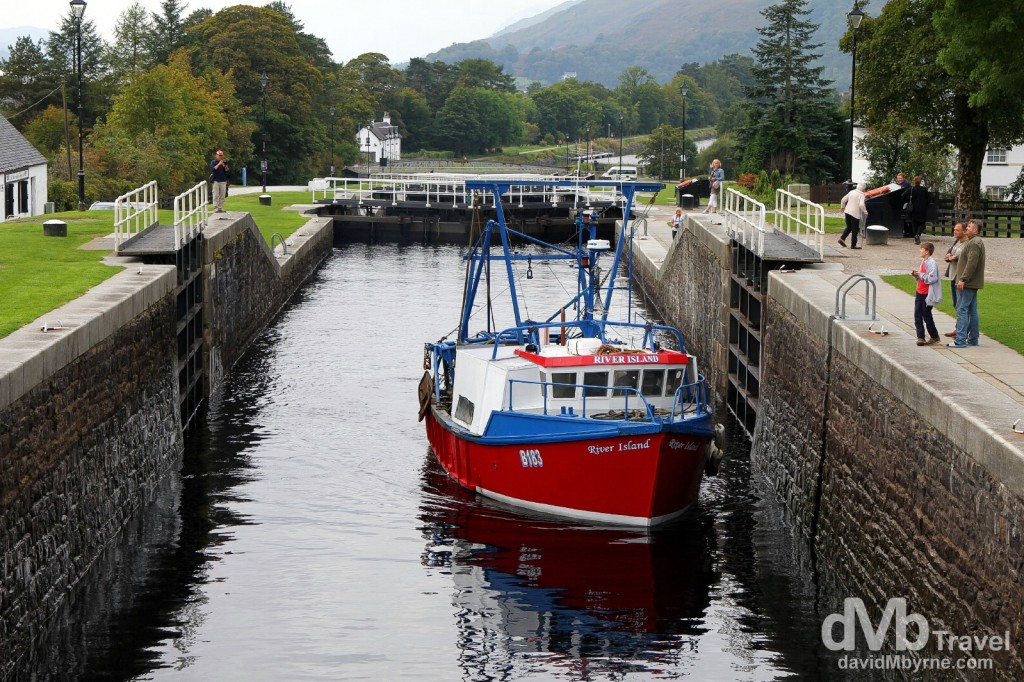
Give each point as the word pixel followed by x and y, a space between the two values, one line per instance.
pixel 581 379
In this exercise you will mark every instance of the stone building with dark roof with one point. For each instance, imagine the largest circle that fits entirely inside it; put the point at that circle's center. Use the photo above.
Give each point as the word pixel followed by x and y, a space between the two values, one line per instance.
pixel 23 175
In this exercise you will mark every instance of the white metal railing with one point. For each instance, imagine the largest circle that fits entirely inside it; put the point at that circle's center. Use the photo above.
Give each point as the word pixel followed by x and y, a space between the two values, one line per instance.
pixel 801 219
pixel 134 212
pixel 450 188
pixel 744 220
pixel 191 213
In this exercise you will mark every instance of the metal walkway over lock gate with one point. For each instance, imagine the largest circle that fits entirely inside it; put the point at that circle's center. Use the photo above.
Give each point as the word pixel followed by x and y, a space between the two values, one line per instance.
pixel 763 240
pixel 138 232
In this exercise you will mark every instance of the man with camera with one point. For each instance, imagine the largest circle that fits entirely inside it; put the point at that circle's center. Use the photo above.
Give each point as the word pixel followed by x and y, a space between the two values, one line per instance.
pixel 219 177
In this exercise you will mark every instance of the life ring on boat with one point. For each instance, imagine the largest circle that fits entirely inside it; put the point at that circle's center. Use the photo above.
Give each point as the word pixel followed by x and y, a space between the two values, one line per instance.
pixel 426 393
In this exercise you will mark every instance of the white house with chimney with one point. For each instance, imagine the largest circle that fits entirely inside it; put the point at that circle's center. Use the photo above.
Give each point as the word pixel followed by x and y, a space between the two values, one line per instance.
pixel 23 175
pixel 380 141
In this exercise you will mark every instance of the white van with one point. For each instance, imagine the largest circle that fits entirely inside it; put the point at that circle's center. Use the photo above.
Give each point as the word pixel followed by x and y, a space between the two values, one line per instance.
pixel 620 173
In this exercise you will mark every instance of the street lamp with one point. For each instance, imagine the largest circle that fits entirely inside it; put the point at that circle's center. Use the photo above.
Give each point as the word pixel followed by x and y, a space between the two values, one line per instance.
pixel 853 19
pixel 264 79
pixel 78 9
pixel 588 150
pixel 370 123
pixel 622 118
pixel 682 157
pixel 331 110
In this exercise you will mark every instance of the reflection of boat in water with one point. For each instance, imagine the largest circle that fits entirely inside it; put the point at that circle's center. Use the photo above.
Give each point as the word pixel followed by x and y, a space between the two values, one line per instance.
pixel 564 416
pixel 608 597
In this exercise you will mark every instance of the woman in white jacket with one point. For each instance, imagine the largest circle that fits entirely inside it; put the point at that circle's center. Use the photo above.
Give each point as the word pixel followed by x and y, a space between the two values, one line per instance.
pixel 854 207
pixel 929 295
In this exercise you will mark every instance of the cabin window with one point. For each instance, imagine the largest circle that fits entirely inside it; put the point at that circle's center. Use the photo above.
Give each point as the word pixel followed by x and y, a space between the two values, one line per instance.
pixel 653 382
pixel 560 390
pixel 594 382
pixel 675 378
pixel 625 378
pixel 464 410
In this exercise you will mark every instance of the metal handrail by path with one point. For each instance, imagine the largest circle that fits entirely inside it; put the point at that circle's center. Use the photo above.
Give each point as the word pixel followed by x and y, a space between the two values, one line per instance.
pixel 870 296
pixel 134 212
pixel 450 189
pixel 744 220
pixel 191 213
pixel 801 219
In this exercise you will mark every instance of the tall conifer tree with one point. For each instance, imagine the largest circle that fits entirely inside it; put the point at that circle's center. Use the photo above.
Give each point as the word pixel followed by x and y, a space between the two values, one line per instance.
pixel 792 122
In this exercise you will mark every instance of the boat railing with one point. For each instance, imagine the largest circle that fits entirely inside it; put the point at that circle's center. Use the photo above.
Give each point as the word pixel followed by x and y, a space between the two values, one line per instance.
pixel 644 412
pixel 744 220
pixel 450 189
pixel 689 400
pixel 801 219
pixel 530 332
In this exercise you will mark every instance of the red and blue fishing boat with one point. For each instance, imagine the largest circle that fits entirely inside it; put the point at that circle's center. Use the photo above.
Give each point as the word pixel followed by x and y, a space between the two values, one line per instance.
pixel 575 415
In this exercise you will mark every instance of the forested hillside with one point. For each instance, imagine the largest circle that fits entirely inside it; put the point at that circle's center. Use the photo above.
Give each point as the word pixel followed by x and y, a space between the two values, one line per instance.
pixel 597 39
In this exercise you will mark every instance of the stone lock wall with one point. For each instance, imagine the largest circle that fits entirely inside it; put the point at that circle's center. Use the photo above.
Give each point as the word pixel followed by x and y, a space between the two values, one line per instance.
pixel 89 418
pixel 81 451
pixel 247 284
pixel 903 478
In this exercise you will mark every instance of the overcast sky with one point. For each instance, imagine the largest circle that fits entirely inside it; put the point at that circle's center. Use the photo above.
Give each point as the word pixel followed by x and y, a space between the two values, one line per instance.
pixel 400 29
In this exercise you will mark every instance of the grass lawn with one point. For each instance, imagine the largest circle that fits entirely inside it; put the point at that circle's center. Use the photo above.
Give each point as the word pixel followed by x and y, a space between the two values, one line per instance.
pixel 998 308
pixel 38 274
pixel 274 218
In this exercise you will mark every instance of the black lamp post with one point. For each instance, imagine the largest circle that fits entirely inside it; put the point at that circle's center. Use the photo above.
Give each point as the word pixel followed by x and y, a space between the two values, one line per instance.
pixel 622 118
pixel 331 110
pixel 567 166
pixel 853 19
pixel 682 157
pixel 78 9
pixel 370 123
pixel 588 150
pixel 264 79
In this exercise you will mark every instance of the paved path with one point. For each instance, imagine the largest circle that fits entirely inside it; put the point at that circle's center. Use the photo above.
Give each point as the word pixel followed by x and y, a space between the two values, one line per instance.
pixel 993 362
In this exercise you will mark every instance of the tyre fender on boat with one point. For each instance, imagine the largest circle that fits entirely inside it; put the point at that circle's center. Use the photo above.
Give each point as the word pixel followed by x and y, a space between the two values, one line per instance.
pixel 717 451
pixel 426 393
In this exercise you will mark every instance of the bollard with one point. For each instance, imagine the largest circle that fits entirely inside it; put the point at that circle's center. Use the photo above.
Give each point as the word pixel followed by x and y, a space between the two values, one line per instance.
pixel 265 200
pixel 55 228
pixel 876 235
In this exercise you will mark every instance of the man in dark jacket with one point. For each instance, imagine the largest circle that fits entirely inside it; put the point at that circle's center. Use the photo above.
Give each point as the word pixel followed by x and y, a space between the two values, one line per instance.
pixel 970 277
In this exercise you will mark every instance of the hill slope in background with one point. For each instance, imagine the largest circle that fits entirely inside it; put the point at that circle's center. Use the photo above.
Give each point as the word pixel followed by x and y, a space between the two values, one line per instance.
pixel 599 39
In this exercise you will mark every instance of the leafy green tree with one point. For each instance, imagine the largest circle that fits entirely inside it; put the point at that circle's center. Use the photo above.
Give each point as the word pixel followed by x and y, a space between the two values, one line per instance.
pixel 982 40
pixel 568 107
pixel 892 149
pixel 792 122
pixel 483 73
pixel 433 80
pixel 163 125
pixel 662 149
pixel 957 106
pixel 48 133
pixel 639 91
pixel 294 127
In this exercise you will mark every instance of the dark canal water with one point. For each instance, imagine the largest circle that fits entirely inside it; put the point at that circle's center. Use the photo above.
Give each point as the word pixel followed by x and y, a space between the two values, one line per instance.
pixel 311 536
